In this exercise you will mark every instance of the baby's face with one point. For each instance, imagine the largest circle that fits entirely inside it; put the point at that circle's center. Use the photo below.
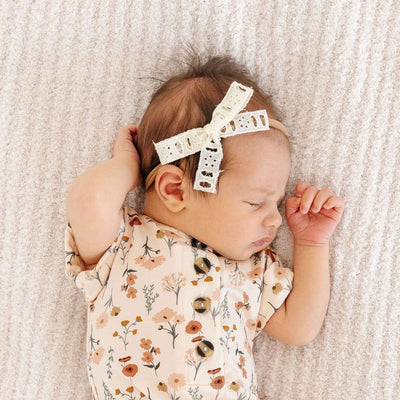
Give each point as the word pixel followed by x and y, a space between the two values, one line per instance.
pixel 243 217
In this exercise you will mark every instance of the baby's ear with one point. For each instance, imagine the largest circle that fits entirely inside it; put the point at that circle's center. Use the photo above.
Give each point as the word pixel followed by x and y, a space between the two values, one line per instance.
pixel 169 187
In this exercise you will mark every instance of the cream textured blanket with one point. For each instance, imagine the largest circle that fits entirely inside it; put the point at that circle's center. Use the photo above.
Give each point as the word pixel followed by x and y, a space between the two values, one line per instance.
pixel 73 72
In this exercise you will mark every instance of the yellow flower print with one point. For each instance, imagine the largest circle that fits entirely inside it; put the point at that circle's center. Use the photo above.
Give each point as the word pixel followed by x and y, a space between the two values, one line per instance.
pixel 115 311
pixel 277 288
pixel 162 387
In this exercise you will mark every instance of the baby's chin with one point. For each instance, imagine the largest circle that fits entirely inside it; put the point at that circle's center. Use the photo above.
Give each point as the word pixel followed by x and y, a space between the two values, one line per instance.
pixel 236 255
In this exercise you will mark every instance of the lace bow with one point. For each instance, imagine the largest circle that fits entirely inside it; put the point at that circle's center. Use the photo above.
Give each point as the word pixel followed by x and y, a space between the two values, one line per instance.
pixel 226 121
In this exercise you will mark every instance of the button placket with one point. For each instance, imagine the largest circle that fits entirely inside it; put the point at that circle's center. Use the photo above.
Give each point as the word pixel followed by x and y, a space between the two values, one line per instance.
pixel 205 347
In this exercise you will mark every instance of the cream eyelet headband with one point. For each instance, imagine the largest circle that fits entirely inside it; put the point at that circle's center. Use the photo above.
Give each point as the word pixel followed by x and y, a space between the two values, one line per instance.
pixel 226 121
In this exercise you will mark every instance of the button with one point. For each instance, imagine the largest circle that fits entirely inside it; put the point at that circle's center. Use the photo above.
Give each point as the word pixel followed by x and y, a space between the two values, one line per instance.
pixel 197 244
pixel 202 265
pixel 205 349
pixel 202 304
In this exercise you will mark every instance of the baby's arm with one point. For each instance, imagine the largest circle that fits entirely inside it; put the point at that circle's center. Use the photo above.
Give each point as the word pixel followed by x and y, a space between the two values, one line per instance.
pixel 95 198
pixel 312 217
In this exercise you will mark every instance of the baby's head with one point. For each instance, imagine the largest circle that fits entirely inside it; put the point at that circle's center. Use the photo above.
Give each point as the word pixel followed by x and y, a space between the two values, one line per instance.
pixel 242 217
pixel 187 101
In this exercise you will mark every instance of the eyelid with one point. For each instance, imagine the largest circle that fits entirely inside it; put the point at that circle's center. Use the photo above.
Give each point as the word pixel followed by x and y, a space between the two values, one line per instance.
pixel 255 205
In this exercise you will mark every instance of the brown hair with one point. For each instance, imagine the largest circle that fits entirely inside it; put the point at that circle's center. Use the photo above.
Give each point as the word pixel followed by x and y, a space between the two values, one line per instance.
pixel 186 101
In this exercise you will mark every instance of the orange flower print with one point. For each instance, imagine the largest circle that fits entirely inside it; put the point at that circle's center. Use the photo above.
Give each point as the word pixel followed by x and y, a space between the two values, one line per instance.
pixel 134 219
pixel 131 293
pixel 131 279
pixel 125 359
pixel 130 370
pixel 147 357
pixel 96 356
pixel 255 273
pixel 218 382
pixel 193 327
pixel 164 315
pixel 153 262
pixel 101 321
pixel 145 344
pixel 176 381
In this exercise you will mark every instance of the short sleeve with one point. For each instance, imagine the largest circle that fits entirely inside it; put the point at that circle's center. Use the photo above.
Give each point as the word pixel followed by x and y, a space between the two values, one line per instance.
pixel 277 284
pixel 90 280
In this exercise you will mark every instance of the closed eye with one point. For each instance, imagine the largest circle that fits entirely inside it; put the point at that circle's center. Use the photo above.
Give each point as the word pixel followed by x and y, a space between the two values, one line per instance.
pixel 255 205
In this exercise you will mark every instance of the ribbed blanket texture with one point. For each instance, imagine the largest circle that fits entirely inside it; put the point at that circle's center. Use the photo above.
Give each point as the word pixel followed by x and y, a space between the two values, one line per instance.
pixel 73 72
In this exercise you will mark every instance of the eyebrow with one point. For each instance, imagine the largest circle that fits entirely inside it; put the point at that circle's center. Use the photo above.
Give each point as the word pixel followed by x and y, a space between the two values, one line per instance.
pixel 268 192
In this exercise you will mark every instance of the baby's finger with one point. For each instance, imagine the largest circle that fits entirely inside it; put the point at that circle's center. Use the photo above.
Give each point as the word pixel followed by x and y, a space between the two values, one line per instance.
pixel 334 202
pixel 320 199
pixel 301 187
pixel 307 199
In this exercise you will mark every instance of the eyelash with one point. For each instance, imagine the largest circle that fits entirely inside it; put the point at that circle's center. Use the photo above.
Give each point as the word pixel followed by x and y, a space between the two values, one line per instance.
pixel 256 205
pixel 259 205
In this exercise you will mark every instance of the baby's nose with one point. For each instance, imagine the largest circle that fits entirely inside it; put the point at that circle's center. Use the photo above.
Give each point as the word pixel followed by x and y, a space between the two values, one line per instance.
pixel 273 220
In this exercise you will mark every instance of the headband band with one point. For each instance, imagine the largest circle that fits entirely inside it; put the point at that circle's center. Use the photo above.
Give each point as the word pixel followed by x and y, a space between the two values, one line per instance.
pixel 226 121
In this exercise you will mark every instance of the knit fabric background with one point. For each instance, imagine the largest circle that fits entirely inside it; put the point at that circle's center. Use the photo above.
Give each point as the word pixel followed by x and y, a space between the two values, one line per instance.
pixel 73 72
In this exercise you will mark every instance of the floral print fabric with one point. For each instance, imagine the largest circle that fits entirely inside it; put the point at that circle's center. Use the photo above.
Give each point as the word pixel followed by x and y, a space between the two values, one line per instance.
pixel 146 339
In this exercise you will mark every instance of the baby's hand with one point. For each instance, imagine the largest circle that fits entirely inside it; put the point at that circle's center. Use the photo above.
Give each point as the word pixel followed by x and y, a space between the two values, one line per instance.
pixel 124 143
pixel 313 214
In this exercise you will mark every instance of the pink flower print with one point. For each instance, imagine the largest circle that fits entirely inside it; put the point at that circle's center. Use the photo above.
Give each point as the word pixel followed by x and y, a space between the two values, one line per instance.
pixel 140 259
pixel 179 319
pixel 145 344
pixel 176 381
pixel 96 356
pixel 248 347
pixel 255 273
pixel 281 273
pixel 131 279
pixel 252 324
pixel 153 262
pixel 164 315
pixel 174 283
pixel 101 321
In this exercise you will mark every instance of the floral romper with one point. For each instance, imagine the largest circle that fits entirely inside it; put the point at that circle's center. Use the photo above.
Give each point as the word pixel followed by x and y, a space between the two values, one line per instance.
pixel 170 319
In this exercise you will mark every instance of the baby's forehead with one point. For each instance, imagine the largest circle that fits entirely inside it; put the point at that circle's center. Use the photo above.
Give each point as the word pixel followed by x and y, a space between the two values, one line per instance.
pixel 236 146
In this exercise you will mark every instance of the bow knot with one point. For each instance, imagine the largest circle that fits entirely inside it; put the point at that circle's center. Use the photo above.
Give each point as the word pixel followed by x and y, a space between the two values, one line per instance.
pixel 212 134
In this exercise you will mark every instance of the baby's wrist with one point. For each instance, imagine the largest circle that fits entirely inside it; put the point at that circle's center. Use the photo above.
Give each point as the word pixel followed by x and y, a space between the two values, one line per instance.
pixel 311 243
